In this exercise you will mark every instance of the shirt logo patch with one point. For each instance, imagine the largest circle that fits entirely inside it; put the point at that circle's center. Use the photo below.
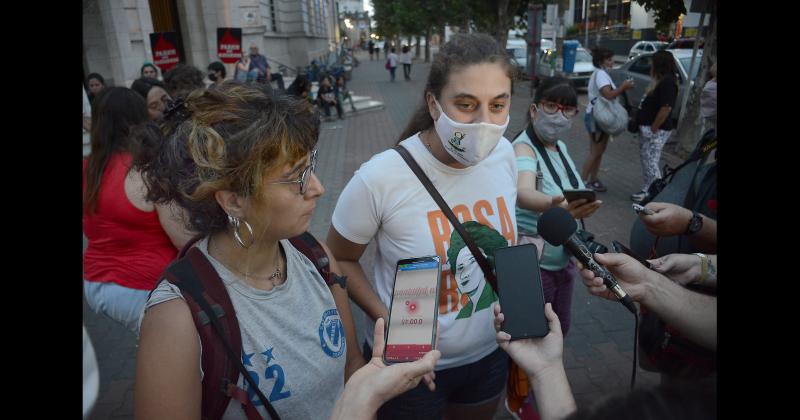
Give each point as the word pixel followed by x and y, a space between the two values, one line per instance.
pixel 331 334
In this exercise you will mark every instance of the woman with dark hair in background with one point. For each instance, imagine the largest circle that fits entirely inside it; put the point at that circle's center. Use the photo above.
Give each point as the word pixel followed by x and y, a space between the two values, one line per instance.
pixel 182 80
pixel 94 84
pixel 216 73
pixel 155 94
pixel 654 119
pixel 131 239
pixel 456 136
pixel 405 60
pixel 600 83
pixel 149 70
pixel 300 87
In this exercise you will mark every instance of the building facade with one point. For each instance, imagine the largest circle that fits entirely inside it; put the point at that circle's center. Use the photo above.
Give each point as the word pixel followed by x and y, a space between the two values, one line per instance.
pixel 116 39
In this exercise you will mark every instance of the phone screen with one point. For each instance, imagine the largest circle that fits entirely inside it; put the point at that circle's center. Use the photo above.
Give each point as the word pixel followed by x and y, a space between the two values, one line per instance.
pixel 520 290
pixel 413 311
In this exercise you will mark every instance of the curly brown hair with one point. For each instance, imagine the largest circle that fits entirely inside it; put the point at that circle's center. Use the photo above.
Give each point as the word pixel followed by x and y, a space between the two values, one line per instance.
pixel 228 139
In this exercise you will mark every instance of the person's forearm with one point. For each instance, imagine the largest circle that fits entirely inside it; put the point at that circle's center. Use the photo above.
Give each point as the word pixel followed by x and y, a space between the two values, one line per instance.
pixel 706 239
pixel 530 199
pixel 354 404
pixel 662 116
pixel 553 394
pixel 691 313
pixel 361 291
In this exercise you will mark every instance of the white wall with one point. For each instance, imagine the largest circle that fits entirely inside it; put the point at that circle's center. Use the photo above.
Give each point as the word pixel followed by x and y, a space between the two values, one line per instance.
pixel 640 19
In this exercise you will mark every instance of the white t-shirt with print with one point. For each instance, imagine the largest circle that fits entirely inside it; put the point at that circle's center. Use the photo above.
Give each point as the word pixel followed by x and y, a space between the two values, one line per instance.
pixel 598 79
pixel 385 200
pixel 392 60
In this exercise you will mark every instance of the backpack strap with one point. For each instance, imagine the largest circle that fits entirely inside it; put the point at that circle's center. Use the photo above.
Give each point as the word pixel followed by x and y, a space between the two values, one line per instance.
pixel 313 250
pixel 218 328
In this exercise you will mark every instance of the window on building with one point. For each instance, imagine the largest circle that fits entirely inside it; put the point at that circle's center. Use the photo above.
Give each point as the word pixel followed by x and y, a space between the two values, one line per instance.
pixel 269 15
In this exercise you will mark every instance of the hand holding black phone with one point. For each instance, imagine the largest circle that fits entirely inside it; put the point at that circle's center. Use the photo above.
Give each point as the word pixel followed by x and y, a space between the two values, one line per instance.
pixel 520 290
pixel 572 195
pixel 622 249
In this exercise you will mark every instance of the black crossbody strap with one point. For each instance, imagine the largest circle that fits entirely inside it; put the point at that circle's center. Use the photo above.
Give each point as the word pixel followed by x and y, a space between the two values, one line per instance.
pixel 482 262
pixel 573 180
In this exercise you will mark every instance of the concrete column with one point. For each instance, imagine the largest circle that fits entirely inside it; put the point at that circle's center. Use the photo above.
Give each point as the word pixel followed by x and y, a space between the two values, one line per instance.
pixel 146 25
pixel 117 32
pixel 193 32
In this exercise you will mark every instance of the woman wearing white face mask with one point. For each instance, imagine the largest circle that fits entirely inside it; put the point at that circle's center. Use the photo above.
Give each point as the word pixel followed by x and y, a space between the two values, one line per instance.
pixel 539 148
pixel 456 136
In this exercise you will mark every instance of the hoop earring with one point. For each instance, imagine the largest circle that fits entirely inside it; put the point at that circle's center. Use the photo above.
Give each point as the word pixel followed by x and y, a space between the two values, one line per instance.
pixel 236 223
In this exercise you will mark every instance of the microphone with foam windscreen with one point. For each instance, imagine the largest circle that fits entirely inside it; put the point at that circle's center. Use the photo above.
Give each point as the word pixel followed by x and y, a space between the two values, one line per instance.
pixel 557 227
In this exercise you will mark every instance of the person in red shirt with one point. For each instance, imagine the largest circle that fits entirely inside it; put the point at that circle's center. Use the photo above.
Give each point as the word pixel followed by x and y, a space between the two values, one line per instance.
pixel 131 240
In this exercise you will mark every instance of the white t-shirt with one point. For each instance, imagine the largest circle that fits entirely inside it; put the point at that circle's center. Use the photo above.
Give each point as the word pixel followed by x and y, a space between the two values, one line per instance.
pixel 392 60
pixel 405 58
pixel 386 202
pixel 598 79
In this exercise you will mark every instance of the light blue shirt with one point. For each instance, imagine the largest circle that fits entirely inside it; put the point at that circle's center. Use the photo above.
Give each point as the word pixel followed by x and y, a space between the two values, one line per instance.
pixel 554 258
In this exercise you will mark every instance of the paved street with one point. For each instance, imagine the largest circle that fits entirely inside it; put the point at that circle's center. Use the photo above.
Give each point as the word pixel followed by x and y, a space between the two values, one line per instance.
pixel 599 347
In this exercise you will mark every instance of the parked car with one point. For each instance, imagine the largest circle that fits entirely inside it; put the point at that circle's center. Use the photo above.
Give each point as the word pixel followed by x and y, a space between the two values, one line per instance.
pixel 517 49
pixel 639 70
pixel 549 65
pixel 643 47
pixel 684 43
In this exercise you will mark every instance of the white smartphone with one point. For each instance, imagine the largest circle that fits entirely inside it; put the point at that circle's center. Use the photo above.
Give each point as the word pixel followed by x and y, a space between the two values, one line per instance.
pixel 639 209
pixel 414 309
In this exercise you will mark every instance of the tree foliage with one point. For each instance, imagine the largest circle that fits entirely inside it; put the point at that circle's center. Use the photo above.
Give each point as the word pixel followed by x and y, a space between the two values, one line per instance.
pixel 665 11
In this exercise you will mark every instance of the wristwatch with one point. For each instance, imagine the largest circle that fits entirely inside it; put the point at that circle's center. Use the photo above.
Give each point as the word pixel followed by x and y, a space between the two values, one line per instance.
pixel 695 223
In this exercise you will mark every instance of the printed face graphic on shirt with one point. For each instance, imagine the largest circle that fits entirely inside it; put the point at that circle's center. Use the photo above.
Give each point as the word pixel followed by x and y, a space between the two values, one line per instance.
pixel 464 290
pixel 468 272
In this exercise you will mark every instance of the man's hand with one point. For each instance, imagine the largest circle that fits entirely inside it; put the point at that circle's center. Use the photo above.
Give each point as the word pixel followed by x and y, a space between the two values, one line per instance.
pixel 534 355
pixel 630 274
pixel 668 220
pixel 680 268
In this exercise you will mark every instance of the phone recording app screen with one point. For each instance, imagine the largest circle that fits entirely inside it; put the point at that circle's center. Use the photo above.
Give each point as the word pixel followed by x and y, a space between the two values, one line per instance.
pixel 413 309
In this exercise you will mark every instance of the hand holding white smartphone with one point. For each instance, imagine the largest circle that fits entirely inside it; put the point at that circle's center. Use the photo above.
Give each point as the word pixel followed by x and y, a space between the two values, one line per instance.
pixel 413 312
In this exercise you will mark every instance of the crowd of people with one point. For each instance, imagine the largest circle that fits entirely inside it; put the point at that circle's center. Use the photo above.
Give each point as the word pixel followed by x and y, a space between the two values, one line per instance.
pixel 223 176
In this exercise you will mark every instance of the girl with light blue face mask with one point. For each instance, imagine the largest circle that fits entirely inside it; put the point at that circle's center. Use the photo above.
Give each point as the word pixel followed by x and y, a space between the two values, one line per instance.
pixel 540 148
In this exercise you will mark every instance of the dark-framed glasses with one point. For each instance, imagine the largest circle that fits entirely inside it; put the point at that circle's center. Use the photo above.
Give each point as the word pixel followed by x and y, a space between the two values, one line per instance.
pixel 304 177
pixel 548 107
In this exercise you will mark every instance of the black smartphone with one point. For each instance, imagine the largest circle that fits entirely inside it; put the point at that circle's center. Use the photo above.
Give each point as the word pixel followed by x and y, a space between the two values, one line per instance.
pixel 414 309
pixel 520 290
pixel 622 249
pixel 572 195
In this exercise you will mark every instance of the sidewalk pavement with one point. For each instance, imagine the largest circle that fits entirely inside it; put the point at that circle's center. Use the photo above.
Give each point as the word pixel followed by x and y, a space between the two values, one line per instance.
pixel 598 349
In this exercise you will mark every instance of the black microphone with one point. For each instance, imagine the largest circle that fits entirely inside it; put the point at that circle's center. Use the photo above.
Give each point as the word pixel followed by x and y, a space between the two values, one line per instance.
pixel 557 227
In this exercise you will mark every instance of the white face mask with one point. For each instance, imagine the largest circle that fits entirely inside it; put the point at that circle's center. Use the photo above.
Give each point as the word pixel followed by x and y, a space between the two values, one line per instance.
pixel 549 127
pixel 468 143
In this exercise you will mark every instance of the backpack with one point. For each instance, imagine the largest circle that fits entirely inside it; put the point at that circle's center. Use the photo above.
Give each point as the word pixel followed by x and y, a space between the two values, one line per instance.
pixel 219 332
